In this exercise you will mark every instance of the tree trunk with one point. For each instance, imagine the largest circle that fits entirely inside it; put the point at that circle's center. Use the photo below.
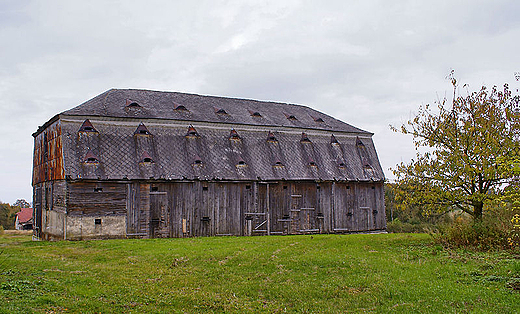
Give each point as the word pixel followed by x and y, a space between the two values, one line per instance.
pixel 477 210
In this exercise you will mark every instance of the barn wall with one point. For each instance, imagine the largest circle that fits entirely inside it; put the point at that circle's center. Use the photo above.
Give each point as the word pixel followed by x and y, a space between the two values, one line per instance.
pixel 184 209
pixel 95 227
pixel 358 207
pixel 96 210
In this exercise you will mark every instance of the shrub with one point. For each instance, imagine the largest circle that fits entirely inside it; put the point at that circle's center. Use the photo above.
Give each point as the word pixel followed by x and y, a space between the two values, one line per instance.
pixel 1 230
pixel 489 233
pixel 412 226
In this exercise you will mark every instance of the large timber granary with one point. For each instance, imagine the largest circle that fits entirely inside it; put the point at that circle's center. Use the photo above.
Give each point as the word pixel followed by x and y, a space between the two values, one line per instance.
pixel 140 163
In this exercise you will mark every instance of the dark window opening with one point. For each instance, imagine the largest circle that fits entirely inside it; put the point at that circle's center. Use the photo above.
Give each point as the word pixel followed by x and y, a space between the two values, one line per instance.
pixel 270 137
pixel 349 214
pixel 375 212
pixel 147 159
pixel 87 127
pixel 320 215
pixel 192 131
pixel 97 221
pixel 285 187
pixel 181 107
pixel 278 163
pixel 143 132
pixel 319 120
pixel 248 187
pixel 233 134
pixel 154 189
pixel 204 188
pixel 241 163
pixel 285 217
pixel 373 188
pixel 92 160
pixel 205 219
pixel 348 187
pixel 305 138
pixel 318 187
pixel 312 163
pixel 256 114
pixel 341 165
pixel 221 111
pixel 134 105
pixel 98 189
pixel 291 117
pixel 198 162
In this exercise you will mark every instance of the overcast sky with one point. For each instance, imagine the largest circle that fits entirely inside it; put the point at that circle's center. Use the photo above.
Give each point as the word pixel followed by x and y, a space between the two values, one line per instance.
pixel 368 63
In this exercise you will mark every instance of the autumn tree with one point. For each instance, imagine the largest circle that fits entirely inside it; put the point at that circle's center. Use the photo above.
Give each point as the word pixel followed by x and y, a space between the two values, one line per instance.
pixel 22 203
pixel 458 145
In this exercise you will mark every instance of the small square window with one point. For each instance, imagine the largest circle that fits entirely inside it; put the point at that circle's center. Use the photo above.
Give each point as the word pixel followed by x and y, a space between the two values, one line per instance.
pixel 248 187
pixel 204 188
pixel 97 221
pixel 154 189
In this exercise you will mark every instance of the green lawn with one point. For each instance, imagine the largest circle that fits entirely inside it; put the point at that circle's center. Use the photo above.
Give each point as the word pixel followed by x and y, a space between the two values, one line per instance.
pixel 321 273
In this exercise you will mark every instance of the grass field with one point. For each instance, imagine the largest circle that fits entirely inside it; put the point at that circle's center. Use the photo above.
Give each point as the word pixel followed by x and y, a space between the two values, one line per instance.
pixel 381 273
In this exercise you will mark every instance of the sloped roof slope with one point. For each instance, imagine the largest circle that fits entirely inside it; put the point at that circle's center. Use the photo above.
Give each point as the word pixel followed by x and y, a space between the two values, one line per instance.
pixel 147 104
pixel 24 215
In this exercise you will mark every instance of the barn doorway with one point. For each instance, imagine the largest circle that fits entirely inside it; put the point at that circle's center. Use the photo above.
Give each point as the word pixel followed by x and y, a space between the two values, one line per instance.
pixel 159 220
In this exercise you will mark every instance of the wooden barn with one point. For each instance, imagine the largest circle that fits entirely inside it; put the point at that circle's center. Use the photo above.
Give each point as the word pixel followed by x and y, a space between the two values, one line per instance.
pixel 140 163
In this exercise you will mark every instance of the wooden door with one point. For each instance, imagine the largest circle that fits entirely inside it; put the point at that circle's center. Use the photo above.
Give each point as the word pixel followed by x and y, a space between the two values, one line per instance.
pixel 159 215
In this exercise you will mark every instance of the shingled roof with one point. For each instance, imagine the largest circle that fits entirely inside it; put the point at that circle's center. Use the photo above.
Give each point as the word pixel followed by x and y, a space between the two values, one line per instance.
pixel 147 104
pixel 142 134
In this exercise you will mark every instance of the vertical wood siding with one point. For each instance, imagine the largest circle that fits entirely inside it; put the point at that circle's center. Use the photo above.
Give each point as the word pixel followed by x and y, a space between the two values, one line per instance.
pixel 183 209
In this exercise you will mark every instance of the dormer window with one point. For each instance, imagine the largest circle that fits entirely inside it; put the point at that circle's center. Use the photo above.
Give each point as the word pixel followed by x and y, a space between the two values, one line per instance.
pixel 278 163
pixel 291 117
pixel 220 111
pixel 87 127
pixel 318 120
pixel 241 162
pixel 142 130
pixel 90 158
pixel 271 137
pixel 312 163
pixel 197 160
pixel 333 140
pixel 180 108
pixel 305 138
pixel 146 158
pixel 342 165
pixel 132 104
pixel 192 132
pixel 255 114
pixel 233 135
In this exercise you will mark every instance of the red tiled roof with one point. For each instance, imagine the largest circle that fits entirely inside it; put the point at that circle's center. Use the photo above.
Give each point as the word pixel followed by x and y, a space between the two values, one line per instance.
pixel 25 214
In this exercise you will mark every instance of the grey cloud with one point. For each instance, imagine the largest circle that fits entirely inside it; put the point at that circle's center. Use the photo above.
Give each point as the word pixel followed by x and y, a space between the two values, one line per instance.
pixel 369 63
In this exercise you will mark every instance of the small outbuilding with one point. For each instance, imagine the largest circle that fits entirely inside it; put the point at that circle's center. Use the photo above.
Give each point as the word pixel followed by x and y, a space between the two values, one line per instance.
pixel 141 163
pixel 24 219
